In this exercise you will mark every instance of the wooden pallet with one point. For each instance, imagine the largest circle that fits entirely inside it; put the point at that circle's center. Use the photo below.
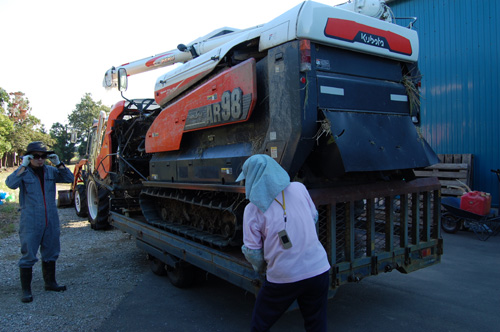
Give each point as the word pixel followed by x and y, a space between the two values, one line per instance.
pixel 454 173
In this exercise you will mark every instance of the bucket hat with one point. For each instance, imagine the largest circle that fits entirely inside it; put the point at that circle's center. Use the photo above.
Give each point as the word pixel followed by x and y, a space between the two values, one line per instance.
pixel 38 147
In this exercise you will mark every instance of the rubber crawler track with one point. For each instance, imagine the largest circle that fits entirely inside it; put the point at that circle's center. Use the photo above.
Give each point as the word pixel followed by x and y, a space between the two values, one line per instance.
pixel 212 218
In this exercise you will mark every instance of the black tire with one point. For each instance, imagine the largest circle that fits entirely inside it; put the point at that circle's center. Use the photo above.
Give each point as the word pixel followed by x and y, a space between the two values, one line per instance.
pixel 158 267
pixel 81 201
pixel 97 205
pixel 450 223
pixel 182 276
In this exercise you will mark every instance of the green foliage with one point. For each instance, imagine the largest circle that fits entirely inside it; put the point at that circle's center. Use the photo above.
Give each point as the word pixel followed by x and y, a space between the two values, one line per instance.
pixel 9 211
pixel 6 125
pixel 28 131
pixel 17 126
pixel 4 98
pixel 82 117
pixel 6 129
pixel 62 137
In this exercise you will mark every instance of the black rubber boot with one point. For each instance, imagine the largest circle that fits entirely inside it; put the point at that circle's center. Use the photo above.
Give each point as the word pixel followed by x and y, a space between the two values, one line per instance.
pixel 49 276
pixel 26 274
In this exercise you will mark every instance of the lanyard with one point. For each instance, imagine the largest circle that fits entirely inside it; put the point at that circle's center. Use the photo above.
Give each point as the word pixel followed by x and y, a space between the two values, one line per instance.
pixel 283 206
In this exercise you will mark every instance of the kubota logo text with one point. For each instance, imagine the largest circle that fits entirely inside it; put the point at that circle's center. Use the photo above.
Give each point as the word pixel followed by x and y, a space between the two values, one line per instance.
pixel 372 40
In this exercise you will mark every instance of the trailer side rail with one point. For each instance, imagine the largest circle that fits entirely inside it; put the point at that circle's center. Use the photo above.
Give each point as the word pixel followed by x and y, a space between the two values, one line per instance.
pixel 380 227
pixel 163 245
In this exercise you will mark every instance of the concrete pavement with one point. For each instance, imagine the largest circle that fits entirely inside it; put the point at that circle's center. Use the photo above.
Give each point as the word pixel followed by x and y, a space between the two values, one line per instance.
pixel 460 294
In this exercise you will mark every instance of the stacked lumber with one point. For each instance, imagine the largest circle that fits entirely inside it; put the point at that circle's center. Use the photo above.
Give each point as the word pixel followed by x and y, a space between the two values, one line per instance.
pixel 454 172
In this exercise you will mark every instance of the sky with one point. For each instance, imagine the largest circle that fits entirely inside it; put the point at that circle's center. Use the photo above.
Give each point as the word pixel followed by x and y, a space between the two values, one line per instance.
pixel 55 51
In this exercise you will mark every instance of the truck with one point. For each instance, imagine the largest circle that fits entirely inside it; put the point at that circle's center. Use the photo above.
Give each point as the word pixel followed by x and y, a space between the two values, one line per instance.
pixel 330 92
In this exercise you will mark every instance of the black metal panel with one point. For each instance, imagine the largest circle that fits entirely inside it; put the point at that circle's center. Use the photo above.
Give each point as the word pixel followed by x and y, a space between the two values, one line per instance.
pixel 289 116
pixel 375 142
pixel 342 92
pixel 335 60
pixel 218 164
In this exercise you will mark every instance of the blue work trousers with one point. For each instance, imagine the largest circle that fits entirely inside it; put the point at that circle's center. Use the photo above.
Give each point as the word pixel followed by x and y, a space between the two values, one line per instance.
pixel 274 299
pixel 35 236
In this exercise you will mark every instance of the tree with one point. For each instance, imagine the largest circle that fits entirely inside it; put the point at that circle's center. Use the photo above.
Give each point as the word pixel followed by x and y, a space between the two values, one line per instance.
pixel 26 131
pixel 18 106
pixel 27 127
pixel 18 127
pixel 4 98
pixel 63 146
pixel 82 117
pixel 6 128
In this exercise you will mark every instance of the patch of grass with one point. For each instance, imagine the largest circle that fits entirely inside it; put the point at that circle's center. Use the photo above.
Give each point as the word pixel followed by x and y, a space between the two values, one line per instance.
pixel 7 227
pixel 9 214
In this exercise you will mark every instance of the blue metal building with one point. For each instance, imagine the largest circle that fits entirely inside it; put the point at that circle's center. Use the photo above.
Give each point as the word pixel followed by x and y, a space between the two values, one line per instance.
pixel 460 95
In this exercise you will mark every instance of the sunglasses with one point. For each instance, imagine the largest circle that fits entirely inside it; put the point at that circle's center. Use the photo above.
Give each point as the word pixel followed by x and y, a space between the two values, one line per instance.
pixel 39 156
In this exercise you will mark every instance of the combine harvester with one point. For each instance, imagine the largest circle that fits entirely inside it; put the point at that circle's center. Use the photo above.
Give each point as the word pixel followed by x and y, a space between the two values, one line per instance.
pixel 331 93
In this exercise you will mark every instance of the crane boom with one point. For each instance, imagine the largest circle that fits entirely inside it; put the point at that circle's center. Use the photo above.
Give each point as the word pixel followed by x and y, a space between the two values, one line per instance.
pixel 182 54
pixel 374 8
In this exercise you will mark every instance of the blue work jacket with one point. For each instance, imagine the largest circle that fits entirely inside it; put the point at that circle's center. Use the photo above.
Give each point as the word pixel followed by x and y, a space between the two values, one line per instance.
pixel 38 207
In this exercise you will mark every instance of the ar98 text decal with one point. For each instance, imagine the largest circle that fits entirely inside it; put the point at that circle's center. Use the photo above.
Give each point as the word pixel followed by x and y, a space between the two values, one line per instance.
pixel 231 108
pixel 228 108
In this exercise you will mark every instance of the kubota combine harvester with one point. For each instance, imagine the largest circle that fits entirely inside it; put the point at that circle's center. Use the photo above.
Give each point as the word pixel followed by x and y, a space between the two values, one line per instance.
pixel 331 93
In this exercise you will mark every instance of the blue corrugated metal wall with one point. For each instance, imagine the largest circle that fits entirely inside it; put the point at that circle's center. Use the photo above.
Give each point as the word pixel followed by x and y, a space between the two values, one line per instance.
pixel 459 56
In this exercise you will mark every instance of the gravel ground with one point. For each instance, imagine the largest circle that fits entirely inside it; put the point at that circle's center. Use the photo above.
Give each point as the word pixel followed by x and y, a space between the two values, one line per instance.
pixel 98 267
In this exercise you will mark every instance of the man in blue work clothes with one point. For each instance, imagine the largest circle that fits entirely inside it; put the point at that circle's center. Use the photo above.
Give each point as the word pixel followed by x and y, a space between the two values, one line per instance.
pixel 39 224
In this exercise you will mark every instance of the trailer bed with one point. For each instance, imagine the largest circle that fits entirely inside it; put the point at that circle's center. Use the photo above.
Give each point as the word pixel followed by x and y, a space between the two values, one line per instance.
pixel 366 230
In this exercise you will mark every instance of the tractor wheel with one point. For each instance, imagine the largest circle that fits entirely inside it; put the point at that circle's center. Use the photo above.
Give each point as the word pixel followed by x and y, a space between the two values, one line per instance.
pixel 97 205
pixel 81 201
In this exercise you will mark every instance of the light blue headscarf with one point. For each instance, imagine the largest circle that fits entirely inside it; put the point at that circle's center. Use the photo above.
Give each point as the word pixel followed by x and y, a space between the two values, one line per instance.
pixel 265 179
